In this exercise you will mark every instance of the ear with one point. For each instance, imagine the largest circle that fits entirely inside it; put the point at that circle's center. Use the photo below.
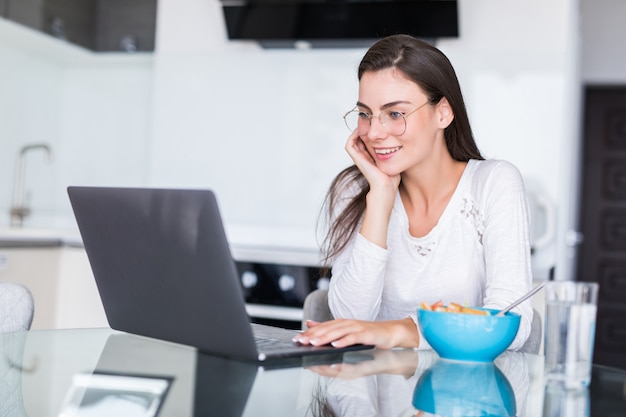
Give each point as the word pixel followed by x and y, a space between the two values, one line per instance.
pixel 445 113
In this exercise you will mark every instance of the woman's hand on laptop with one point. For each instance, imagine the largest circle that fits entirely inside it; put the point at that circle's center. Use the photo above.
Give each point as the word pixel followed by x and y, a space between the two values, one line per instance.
pixel 347 332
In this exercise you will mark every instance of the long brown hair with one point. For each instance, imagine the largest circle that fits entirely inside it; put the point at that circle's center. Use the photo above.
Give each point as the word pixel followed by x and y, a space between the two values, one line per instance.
pixel 431 70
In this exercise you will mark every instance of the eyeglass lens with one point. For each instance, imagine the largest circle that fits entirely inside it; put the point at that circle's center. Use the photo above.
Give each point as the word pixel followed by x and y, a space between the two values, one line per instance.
pixel 392 121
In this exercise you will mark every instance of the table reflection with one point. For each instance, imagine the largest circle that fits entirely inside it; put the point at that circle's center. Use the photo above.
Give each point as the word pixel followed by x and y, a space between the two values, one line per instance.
pixel 99 394
pixel 561 402
pixel 11 370
pixel 39 373
pixel 461 389
pixel 418 383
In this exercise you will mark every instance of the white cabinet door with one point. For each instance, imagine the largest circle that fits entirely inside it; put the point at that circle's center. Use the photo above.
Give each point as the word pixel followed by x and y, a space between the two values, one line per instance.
pixel 37 269
pixel 79 304
pixel 61 282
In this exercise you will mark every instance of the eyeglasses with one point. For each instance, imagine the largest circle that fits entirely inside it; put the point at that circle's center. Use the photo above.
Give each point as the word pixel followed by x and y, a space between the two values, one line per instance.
pixel 393 121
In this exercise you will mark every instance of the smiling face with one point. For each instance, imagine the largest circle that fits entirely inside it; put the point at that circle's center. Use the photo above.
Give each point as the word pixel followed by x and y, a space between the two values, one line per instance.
pixel 389 91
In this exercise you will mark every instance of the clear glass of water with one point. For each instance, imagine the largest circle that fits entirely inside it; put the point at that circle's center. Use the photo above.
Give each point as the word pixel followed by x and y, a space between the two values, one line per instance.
pixel 570 332
pixel 561 402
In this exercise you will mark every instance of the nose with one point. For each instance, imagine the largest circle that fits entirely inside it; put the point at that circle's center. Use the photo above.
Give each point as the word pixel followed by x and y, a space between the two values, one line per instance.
pixel 376 130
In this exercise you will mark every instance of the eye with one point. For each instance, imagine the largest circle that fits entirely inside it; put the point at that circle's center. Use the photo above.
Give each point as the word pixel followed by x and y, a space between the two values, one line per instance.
pixel 363 115
pixel 395 115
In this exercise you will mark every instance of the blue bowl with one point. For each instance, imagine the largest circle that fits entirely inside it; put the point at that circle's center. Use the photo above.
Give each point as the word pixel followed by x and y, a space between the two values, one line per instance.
pixel 458 389
pixel 468 337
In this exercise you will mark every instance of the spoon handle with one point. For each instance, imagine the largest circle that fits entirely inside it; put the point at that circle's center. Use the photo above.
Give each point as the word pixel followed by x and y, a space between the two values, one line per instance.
pixel 523 298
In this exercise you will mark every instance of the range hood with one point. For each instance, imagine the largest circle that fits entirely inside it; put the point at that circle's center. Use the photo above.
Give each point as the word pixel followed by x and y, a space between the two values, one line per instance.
pixel 337 23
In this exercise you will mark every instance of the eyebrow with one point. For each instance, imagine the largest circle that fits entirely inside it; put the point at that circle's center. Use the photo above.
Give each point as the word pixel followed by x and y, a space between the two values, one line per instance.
pixel 384 106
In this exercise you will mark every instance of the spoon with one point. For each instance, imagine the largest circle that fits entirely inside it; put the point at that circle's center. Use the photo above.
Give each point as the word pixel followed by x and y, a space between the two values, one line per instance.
pixel 519 300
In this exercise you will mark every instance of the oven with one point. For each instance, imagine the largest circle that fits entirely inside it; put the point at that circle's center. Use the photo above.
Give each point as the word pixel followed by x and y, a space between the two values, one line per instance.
pixel 275 282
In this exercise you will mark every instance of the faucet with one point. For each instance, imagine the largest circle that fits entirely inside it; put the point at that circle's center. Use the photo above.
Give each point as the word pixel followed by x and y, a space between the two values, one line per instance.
pixel 19 210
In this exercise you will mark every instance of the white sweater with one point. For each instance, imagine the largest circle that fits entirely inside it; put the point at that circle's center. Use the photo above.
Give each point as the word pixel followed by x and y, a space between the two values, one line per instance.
pixel 478 254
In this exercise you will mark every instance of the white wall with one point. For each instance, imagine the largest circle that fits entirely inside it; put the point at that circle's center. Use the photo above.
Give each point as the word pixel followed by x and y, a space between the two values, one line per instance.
pixel 31 91
pixel 94 110
pixel 263 127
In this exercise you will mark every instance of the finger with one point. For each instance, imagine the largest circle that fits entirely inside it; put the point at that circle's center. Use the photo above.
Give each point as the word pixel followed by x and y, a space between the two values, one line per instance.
pixel 311 323
pixel 309 331
pixel 323 333
pixel 347 340
pixel 340 333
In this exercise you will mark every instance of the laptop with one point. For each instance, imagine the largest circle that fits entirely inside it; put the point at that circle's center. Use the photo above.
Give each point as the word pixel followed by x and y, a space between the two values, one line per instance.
pixel 164 269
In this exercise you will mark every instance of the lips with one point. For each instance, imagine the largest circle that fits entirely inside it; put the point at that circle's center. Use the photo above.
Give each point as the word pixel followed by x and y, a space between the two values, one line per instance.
pixel 387 151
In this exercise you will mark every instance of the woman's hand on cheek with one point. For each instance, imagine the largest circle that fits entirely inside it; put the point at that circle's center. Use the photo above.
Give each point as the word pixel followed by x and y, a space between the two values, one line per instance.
pixel 367 164
pixel 357 150
pixel 362 158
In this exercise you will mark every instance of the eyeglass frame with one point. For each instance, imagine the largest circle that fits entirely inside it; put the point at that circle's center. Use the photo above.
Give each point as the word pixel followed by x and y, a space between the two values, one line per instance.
pixel 370 116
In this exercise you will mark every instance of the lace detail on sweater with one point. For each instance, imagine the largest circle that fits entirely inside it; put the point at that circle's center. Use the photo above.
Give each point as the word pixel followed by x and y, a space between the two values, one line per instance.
pixel 474 216
pixel 424 250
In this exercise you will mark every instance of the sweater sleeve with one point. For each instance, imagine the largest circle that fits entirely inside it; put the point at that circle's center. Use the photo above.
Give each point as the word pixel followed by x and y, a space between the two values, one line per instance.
pixel 506 243
pixel 357 280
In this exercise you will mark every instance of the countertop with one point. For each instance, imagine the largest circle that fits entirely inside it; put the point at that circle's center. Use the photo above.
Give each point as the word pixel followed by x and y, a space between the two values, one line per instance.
pixel 256 244
pixel 250 244
pixel 39 237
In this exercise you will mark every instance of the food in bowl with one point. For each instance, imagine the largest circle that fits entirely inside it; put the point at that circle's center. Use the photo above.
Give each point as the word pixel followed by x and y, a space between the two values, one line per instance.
pixel 453 308
pixel 468 337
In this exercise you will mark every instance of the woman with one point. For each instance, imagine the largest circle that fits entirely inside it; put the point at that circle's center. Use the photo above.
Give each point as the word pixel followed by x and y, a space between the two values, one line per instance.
pixel 420 216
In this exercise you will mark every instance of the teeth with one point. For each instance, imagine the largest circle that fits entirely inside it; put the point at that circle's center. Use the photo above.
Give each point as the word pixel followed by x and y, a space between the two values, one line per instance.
pixel 387 151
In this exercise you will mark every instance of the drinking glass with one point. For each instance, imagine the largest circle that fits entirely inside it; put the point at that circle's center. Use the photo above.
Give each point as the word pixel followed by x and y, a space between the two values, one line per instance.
pixel 569 333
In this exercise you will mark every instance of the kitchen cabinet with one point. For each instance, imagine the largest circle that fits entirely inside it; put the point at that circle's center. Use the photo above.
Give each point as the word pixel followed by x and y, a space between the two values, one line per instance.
pixel 78 299
pixel 98 25
pixel 61 282
pixel 25 12
pixel 70 20
pixel 125 25
pixel 36 268
pixel 3 8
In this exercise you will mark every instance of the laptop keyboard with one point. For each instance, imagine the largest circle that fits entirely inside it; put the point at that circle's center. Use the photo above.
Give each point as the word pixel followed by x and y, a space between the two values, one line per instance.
pixel 266 344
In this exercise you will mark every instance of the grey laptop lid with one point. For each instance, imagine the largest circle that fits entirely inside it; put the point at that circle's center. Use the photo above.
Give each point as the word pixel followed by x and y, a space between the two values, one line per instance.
pixel 164 269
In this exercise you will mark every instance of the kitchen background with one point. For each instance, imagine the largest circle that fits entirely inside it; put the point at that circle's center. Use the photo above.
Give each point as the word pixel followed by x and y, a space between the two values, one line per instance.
pixel 263 127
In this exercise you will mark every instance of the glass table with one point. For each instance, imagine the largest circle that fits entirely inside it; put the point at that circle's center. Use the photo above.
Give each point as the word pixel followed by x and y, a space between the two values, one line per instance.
pixel 102 372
